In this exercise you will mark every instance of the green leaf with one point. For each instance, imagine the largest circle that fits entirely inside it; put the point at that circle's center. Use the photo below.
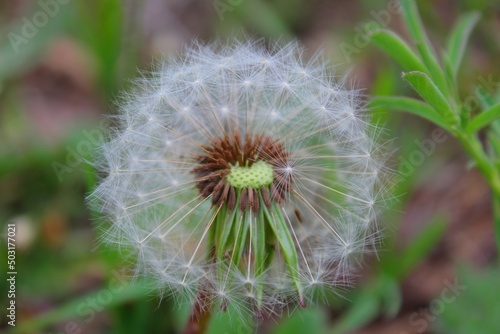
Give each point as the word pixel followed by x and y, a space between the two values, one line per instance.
pixel 412 106
pixel 395 47
pixel 459 37
pixel 434 69
pixel 416 29
pixel 413 21
pixel 420 246
pixel 451 79
pixel 484 119
pixel 310 320
pixel 428 90
pixel 486 101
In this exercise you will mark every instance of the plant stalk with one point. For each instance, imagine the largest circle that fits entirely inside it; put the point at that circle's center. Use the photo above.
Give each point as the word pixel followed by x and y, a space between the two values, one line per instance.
pixel 201 313
pixel 495 196
pixel 474 148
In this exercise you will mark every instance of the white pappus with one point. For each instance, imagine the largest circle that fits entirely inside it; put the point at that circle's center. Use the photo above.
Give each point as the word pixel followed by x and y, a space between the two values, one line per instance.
pixel 240 174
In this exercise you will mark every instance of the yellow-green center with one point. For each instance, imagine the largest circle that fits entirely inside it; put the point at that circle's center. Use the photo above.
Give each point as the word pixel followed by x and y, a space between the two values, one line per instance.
pixel 258 175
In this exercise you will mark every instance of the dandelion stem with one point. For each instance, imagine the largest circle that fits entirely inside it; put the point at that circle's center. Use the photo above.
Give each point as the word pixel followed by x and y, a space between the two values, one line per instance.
pixel 199 318
pixel 201 312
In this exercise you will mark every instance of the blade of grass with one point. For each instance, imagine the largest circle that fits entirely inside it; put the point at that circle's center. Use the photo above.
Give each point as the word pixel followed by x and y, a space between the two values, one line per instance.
pixel 109 29
pixel 459 37
pixel 420 246
pixel 364 308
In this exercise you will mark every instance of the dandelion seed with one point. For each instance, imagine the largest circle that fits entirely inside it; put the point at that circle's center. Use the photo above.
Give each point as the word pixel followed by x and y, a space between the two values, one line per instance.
pixel 246 175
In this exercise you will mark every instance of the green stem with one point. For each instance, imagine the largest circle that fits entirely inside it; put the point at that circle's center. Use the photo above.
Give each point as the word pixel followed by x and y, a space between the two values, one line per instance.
pixel 495 195
pixel 474 148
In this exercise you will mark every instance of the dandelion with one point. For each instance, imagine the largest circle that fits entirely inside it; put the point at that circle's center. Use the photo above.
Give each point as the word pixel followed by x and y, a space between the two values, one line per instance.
pixel 242 175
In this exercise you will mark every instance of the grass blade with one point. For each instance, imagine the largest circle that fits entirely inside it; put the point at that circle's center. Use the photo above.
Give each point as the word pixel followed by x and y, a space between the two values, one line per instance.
pixel 420 247
pixel 459 37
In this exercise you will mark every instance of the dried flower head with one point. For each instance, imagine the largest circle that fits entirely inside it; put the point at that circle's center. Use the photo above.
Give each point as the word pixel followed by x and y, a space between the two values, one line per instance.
pixel 243 173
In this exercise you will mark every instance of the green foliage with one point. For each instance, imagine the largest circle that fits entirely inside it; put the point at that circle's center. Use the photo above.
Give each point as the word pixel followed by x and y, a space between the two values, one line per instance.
pixel 410 105
pixel 395 46
pixel 476 309
pixel 437 85
pixel 18 53
pixel 484 119
pixel 428 90
pixel 458 39
pixel 74 308
pixel 400 264
pixel 108 27
pixel 381 295
pixel 306 321
pixel 230 322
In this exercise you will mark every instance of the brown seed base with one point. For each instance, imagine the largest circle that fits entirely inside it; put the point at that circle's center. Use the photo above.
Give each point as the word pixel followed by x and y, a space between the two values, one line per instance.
pixel 215 164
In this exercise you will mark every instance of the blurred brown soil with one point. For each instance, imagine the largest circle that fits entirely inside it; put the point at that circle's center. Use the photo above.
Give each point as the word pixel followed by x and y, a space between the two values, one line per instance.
pixel 60 93
pixel 463 197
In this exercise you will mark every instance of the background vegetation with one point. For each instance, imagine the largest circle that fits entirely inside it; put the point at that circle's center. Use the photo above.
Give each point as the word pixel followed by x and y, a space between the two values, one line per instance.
pixel 437 269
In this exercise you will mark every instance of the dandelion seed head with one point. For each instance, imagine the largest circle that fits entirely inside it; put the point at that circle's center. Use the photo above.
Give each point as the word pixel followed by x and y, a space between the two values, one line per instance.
pixel 244 172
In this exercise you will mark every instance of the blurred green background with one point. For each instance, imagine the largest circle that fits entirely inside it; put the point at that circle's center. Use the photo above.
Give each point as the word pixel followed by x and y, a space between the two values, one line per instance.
pixel 62 64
